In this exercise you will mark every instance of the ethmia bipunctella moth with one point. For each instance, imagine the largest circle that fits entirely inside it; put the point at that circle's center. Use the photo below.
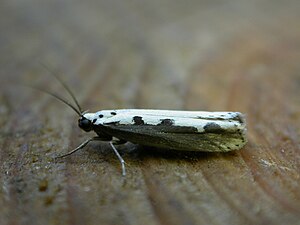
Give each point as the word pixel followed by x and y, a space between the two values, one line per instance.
pixel 169 129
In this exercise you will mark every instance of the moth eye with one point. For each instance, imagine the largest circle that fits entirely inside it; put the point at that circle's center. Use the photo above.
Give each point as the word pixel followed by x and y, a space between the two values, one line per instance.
pixel 85 124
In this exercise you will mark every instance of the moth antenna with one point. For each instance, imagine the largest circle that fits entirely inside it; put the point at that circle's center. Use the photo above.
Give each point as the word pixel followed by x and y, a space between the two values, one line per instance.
pixel 64 85
pixel 58 98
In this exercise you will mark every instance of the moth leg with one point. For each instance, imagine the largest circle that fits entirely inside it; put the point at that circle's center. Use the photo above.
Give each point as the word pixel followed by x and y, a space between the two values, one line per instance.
pixel 118 141
pixel 82 145
pixel 119 157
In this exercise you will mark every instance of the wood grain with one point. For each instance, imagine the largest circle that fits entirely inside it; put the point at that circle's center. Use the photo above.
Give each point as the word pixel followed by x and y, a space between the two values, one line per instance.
pixel 190 55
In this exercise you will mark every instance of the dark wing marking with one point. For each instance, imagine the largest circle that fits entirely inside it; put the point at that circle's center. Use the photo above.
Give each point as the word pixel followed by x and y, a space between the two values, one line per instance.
pixel 236 116
pixel 176 137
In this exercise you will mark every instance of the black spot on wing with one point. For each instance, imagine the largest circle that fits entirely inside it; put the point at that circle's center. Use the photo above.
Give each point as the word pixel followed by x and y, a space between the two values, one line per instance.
pixel 213 128
pixel 166 122
pixel 100 116
pixel 233 116
pixel 239 118
pixel 113 113
pixel 138 120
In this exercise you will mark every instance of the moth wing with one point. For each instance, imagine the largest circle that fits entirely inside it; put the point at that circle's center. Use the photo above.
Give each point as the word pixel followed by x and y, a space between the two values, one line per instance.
pixel 175 132
pixel 183 114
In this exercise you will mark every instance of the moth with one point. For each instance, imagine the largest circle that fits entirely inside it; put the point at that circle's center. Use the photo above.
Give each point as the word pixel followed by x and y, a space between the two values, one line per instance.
pixel 170 129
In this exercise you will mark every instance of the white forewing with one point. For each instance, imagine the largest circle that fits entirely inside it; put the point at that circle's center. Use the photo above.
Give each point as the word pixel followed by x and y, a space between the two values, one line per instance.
pixel 197 119
pixel 174 113
pixel 181 130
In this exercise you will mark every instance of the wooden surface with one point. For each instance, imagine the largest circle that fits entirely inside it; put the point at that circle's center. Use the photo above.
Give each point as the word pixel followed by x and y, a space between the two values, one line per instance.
pixel 192 55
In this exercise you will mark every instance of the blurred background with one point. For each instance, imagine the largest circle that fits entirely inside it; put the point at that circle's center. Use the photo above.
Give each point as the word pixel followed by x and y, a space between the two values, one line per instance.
pixel 166 44
pixel 214 55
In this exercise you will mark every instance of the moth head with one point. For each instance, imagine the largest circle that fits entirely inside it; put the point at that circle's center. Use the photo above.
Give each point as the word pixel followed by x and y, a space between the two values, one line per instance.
pixel 85 124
